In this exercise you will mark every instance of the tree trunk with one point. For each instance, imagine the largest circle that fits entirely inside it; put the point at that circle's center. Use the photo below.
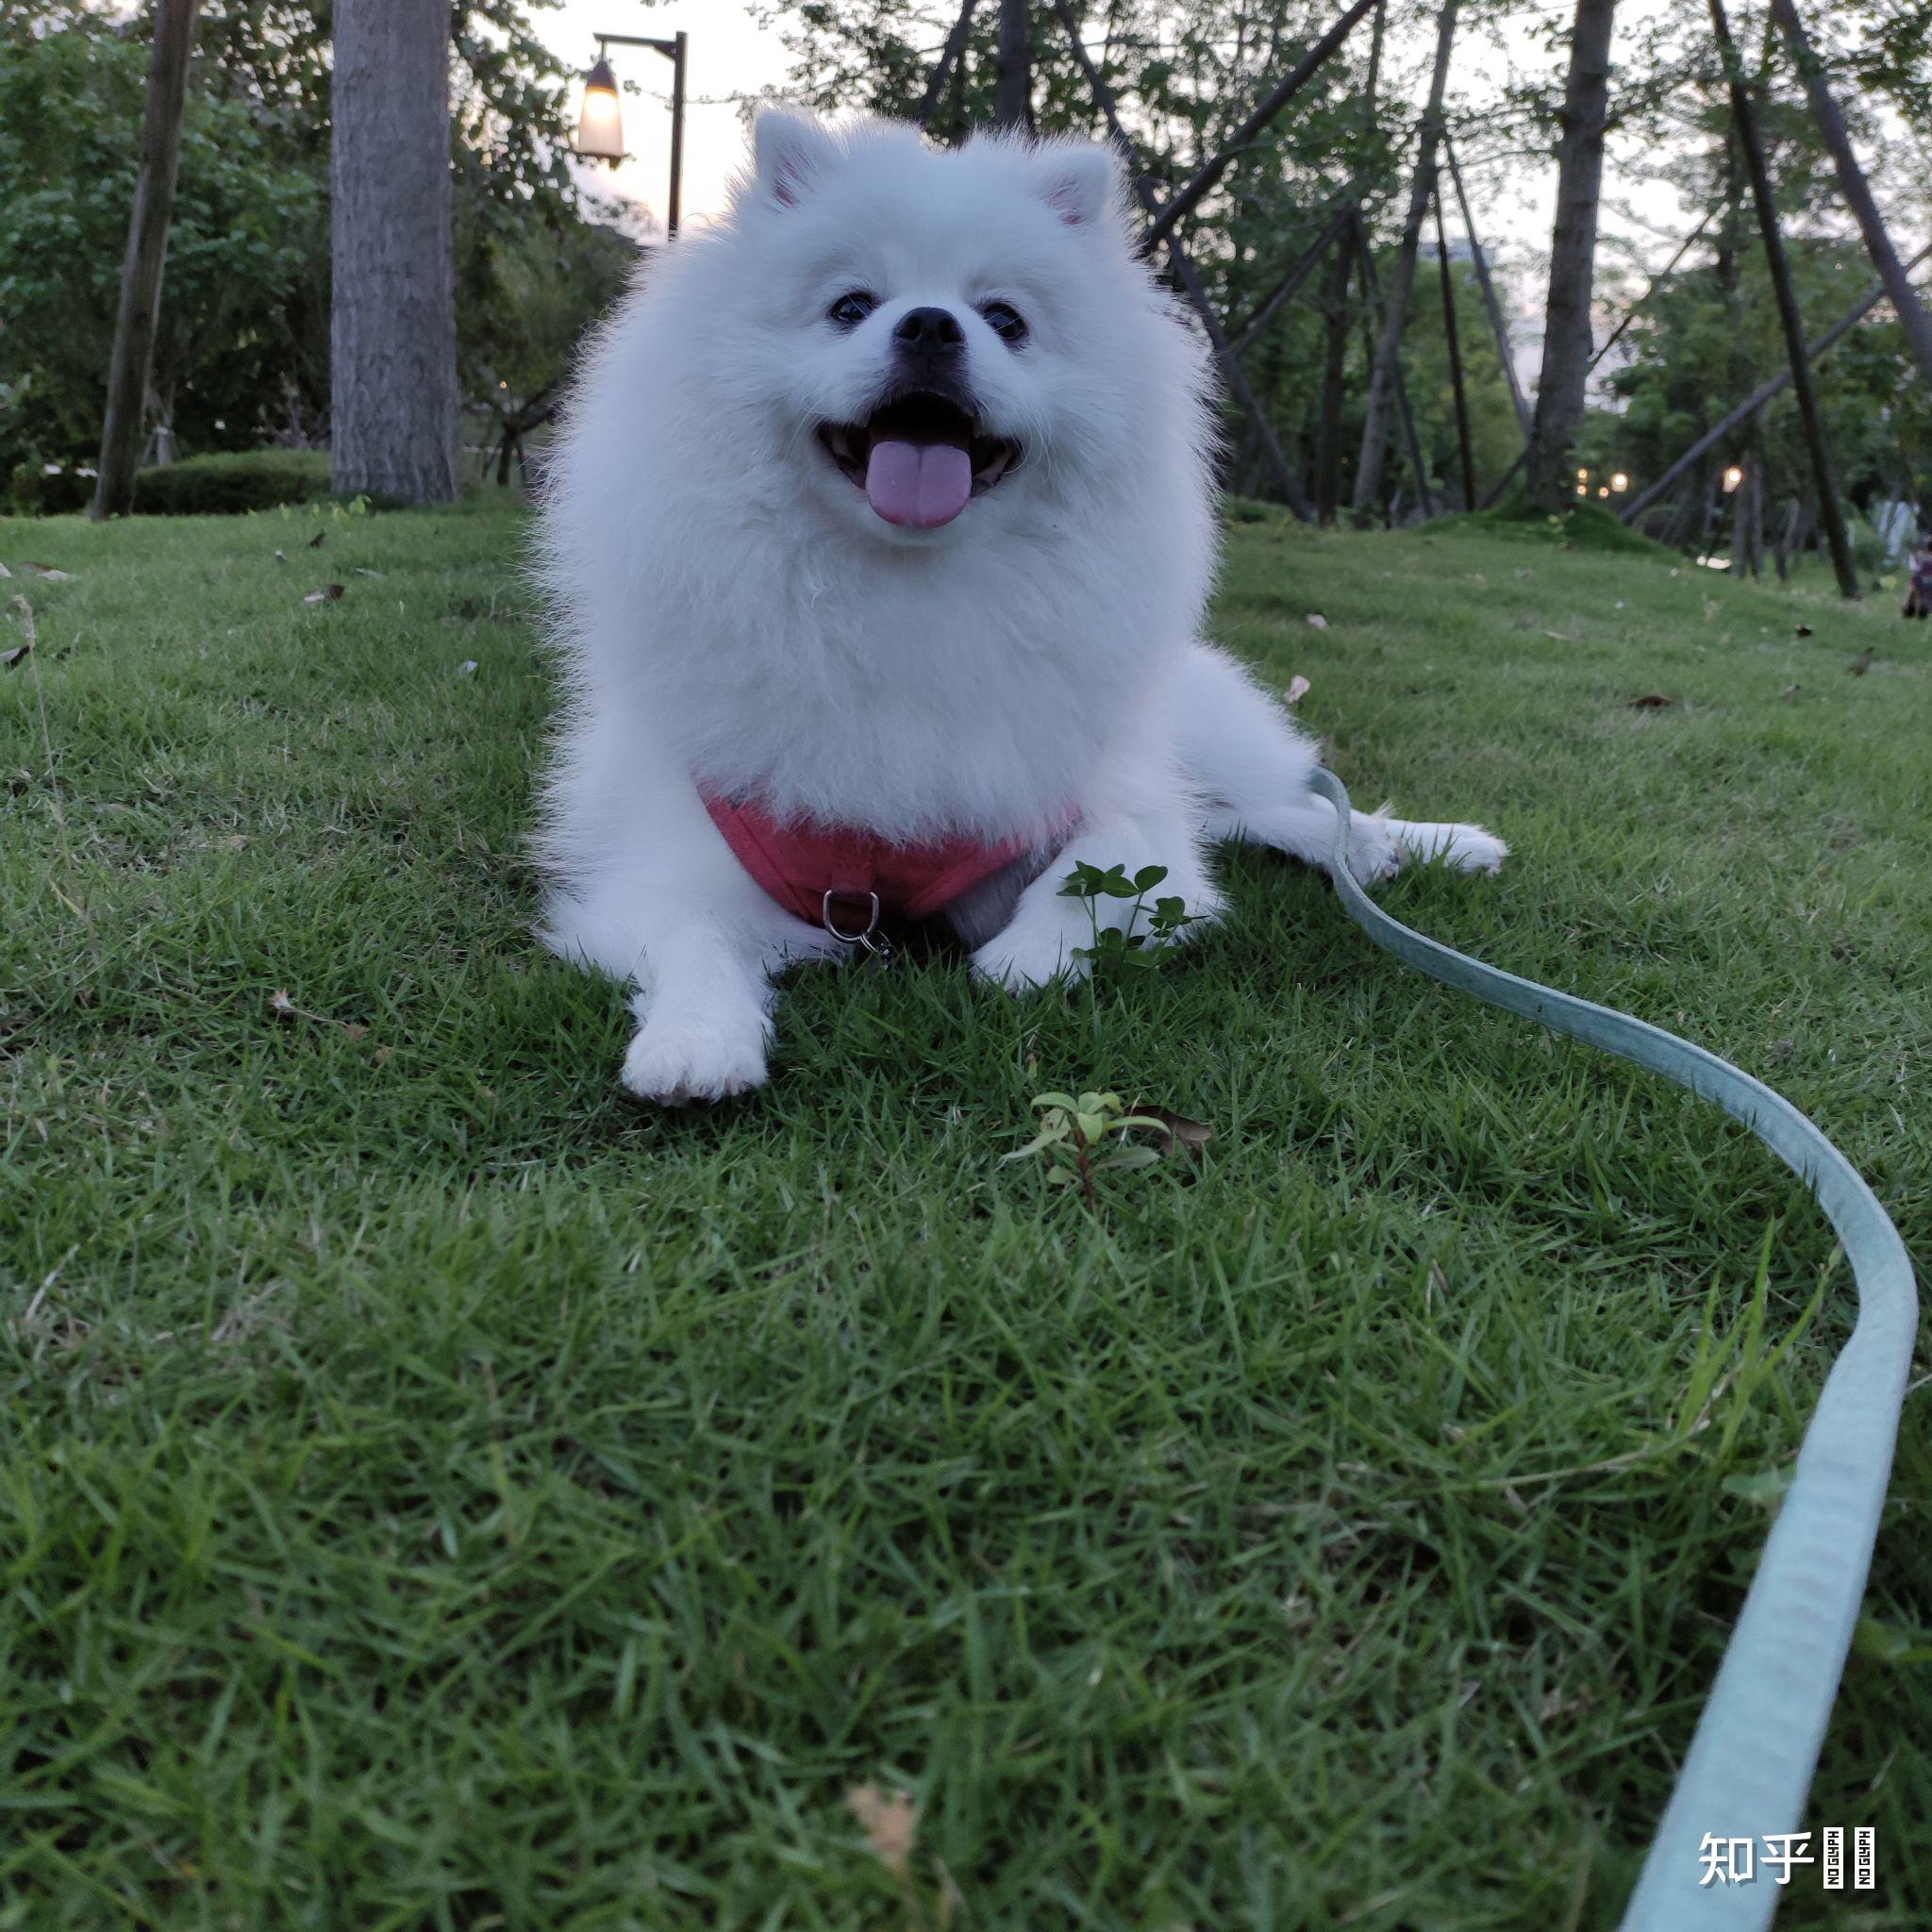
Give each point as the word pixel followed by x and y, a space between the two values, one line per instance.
pixel 1013 102
pixel 393 326
pixel 1335 305
pixel 1912 318
pixel 1452 337
pixel 1365 261
pixel 1333 379
pixel 1745 113
pixel 943 68
pixel 1573 256
pixel 147 250
pixel 1782 554
pixel 1369 470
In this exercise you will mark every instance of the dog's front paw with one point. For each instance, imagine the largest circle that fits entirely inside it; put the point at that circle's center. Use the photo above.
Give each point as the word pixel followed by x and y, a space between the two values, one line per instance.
pixel 678 1057
pixel 1025 961
pixel 1471 849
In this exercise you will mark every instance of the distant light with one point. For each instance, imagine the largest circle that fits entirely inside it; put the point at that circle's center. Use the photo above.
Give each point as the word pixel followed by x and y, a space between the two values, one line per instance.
pixel 1583 490
pixel 1603 489
pixel 1583 476
pixel 600 128
pixel 1733 476
pixel 1620 482
pixel 503 385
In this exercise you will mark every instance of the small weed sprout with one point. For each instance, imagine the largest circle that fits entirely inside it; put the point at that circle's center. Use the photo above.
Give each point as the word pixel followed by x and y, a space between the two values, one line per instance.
pixel 1112 948
pixel 1072 1131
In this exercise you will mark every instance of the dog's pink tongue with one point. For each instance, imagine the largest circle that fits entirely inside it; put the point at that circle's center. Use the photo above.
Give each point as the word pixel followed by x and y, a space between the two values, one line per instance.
pixel 920 485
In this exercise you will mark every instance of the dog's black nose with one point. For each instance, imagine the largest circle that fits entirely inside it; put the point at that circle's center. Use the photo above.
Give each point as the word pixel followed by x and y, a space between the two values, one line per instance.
pixel 933 332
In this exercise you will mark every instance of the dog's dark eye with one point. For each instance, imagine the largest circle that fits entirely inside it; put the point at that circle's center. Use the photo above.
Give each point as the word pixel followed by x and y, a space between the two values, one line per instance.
pixel 1006 322
pixel 852 308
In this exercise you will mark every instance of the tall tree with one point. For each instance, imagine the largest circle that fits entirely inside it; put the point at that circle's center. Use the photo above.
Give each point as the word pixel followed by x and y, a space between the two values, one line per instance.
pixel 147 249
pixel 393 330
pixel 1572 255
pixel 1375 429
pixel 1857 190
pixel 1335 304
pixel 1015 101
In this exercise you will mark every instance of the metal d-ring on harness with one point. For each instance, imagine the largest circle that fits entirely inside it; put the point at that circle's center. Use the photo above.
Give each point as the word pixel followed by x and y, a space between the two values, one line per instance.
pixel 1755 1747
pixel 869 936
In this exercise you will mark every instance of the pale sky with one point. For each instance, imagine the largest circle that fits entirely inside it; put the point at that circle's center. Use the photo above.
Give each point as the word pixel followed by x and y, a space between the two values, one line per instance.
pixel 729 56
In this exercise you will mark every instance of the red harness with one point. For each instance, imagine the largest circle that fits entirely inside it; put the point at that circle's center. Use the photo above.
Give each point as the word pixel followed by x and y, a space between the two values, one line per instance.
pixel 842 878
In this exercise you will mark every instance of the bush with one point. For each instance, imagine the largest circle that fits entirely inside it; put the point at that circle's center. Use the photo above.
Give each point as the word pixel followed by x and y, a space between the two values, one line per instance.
pixel 229 483
pixel 1585 527
pixel 223 484
pixel 50 490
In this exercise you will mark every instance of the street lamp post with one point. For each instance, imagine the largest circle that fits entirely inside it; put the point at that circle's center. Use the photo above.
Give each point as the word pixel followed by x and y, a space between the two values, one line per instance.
pixel 600 128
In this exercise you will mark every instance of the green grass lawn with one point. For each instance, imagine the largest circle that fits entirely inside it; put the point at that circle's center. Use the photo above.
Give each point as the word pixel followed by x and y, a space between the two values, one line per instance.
pixel 437 1493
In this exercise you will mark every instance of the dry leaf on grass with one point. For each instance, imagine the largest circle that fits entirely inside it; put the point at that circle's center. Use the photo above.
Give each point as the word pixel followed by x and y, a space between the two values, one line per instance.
pixel 4 573
pixel 15 657
pixel 281 557
pixel 1802 630
pixel 1650 701
pixel 359 570
pixel 48 571
pixel 283 1007
pixel 1177 1132
pixel 316 542
pixel 1297 689
pixel 1790 691
pixel 1861 663
pixel 327 595
pixel 889 1821
pixel 467 668
pixel 1317 622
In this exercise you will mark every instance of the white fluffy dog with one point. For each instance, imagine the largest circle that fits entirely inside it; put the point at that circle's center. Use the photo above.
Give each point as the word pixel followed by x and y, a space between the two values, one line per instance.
pixel 878 541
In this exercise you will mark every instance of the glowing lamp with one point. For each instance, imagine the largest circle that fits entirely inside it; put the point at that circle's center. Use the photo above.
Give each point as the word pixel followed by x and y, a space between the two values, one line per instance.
pixel 600 126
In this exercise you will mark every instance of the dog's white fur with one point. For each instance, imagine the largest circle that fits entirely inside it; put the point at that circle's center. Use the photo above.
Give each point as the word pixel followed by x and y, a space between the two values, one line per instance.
pixel 729 607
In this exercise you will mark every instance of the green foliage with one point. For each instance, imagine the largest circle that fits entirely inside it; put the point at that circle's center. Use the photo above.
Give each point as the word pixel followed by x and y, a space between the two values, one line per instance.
pixel 527 287
pixel 1073 1135
pixel 241 355
pixel 242 337
pixel 1141 943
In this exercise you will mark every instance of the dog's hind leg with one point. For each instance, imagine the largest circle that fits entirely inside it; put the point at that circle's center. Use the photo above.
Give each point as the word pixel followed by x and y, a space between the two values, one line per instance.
pixel 1253 766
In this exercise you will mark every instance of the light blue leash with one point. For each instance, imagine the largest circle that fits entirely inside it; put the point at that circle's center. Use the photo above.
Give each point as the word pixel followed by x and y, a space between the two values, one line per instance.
pixel 1756 1745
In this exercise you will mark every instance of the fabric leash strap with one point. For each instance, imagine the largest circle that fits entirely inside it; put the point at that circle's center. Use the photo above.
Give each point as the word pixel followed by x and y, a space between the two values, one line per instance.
pixel 1750 1763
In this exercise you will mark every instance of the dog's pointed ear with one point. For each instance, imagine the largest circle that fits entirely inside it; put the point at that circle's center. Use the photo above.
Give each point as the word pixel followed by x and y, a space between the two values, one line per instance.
pixel 791 151
pixel 1082 182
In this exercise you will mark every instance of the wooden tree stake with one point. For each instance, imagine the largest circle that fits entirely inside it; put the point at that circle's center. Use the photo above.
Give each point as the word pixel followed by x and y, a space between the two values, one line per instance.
pixel 1453 336
pixel 147 251
pixel 1745 113
pixel 1912 318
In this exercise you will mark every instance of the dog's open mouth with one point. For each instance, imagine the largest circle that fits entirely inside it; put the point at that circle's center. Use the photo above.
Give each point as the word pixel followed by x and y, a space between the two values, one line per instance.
pixel 918 458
